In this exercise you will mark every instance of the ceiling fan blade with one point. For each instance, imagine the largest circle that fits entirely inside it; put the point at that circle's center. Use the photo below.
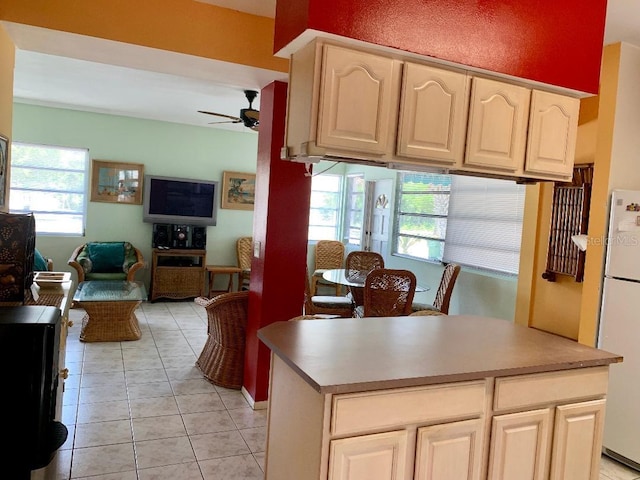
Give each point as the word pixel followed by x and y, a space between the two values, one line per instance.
pixel 226 121
pixel 221 115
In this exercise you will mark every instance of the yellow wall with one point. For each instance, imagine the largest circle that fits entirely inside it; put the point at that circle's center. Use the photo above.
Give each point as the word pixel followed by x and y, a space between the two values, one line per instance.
pixel 183 26
pixel 551 306
pixel 599 195
pixel 7 60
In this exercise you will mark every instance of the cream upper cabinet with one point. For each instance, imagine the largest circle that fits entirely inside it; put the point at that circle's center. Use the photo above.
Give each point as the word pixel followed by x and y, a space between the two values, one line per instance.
pixel 380 456
pixel 357 101
pixel 361 105
pixel 553 128
pixel 497 134
pixel 451 451
pixel 433 114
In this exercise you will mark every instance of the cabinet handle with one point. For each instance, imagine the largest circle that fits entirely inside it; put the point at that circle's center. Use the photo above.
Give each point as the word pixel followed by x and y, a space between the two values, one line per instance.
pixel 64 373
pixel 69 323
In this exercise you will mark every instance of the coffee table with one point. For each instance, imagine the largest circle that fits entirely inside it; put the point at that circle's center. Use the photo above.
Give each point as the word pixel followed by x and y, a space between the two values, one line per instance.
pixel 110 309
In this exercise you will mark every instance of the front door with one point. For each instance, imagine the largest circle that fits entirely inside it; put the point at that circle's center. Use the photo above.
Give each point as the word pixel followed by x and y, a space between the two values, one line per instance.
pixel 377 216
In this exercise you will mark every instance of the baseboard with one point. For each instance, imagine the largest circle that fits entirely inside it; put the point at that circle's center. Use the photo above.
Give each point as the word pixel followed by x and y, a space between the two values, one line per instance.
pixel 262 405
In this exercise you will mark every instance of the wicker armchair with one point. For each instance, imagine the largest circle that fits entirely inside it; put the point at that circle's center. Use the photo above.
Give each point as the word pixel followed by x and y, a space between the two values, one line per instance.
pixel 443 294
pixel 222 358
pixel 106 261
pixel 337 306
pixel 358 265
pixel 243 251
pixel 329 255
pixel 387 293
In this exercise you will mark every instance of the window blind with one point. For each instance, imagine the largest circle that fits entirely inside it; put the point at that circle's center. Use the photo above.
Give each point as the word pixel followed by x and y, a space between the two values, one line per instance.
pixel 484 223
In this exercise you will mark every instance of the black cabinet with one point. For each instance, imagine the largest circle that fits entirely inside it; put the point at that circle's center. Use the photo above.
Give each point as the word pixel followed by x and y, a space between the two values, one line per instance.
pixel 29 352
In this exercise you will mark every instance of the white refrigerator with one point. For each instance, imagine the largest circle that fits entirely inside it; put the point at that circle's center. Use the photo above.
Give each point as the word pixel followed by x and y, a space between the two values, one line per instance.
pixel 619 330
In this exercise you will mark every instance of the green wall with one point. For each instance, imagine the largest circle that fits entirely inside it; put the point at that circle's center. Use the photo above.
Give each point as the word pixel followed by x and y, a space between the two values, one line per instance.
pixel 201 152
pixel 165 149
pixel 475 293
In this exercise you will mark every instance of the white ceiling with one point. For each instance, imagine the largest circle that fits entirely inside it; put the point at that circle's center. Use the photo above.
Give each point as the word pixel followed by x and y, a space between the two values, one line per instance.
pixel 83 73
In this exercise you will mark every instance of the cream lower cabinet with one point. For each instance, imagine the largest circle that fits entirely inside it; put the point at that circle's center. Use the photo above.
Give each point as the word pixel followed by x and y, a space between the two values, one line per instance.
pixel 380 456
pixel 561 441
pixel 526 427
pixel 450 451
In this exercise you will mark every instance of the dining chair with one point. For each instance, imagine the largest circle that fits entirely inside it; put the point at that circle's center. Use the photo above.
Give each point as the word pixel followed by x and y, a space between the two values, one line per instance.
pixel 387 293
pixel 338 306
pixel 329 255
pixel 443 294
pixel 243 251
pixel 222 358
pixel 357 265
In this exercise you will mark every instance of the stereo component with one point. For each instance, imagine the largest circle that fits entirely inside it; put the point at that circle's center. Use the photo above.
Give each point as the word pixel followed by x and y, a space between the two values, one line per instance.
pixel 166 235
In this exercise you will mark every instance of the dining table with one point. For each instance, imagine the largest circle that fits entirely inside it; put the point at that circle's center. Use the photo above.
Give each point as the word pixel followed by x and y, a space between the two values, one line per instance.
pixel 354 279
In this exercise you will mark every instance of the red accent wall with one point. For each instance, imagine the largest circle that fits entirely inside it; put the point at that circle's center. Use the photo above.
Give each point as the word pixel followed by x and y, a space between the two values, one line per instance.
pixel 555 42
pixel 280 225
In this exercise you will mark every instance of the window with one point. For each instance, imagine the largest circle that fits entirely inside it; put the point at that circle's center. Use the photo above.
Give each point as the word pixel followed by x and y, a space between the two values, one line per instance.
pixel 472 221
pixel 51 182
pixel 421 214
pixel 325 209
pixel 354 210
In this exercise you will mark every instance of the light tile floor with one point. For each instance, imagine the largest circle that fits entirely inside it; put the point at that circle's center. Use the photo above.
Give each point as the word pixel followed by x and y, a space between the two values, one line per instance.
pixel 141 410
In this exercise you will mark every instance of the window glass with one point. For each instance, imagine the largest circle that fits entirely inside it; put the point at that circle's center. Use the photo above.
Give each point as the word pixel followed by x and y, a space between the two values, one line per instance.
pixel 421 214
pixel 472 221
pixel 52 183
pixel 325 209
pixel 354 210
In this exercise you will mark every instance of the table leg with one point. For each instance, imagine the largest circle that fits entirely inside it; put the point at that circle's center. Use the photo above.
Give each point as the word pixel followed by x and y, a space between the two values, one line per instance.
pixel 110 322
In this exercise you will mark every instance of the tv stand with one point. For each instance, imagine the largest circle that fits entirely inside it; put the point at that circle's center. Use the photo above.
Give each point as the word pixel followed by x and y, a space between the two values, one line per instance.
pixel 177 273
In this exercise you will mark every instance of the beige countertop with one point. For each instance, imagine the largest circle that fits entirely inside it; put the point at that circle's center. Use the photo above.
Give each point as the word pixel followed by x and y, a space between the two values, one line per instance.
pixel 362 354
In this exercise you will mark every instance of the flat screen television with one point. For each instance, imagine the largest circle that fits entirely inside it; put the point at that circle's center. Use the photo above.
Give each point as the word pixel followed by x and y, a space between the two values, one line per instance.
pixel 181 201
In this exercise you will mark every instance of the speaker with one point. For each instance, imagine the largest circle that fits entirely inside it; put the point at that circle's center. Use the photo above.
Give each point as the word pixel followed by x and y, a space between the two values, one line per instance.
pixel 161 235
pixel 199 238
pixel 181 236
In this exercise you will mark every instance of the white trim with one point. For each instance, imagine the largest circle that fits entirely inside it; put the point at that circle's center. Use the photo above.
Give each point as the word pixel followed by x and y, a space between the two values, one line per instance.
pixel 262 405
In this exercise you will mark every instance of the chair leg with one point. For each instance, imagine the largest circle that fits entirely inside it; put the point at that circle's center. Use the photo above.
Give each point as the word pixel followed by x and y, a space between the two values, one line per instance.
pixel 314 285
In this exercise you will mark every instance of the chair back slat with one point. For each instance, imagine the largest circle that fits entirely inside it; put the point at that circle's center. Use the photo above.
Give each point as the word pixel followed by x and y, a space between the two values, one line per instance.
pixel 389 293
pixel 445 289
pixel 358 265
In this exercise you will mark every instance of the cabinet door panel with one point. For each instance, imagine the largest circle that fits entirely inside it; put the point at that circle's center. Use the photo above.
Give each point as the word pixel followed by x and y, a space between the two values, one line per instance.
pixel 578 441
pixel 381 456
pixel 553 129
pixel 433 114
pixel 520 444
pixel 497 125
pixel 357 106
pixel 450 451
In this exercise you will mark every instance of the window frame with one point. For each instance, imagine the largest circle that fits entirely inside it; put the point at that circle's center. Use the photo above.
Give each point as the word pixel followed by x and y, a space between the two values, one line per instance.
pixel 339 209
pixel 39 169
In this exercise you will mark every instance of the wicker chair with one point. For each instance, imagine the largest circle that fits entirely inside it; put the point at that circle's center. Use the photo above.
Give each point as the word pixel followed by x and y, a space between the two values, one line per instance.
pixel 426 313
pixel 243 250
pixel 222 358
pixel 387 293
pixel 443 294
pixel 329 255
pixel 336 306
pixel 358 264
pixel 121 267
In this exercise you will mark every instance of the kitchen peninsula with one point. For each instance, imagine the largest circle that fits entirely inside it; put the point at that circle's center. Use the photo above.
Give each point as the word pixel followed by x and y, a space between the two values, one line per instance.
pixel 439 397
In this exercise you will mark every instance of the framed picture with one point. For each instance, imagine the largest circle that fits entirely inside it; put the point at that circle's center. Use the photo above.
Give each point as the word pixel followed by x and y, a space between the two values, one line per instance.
pixel 4 161
pixel 116 182
pixel 238 190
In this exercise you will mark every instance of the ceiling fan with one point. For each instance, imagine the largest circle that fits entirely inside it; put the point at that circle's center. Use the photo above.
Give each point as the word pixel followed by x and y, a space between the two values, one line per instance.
pixel 248 116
